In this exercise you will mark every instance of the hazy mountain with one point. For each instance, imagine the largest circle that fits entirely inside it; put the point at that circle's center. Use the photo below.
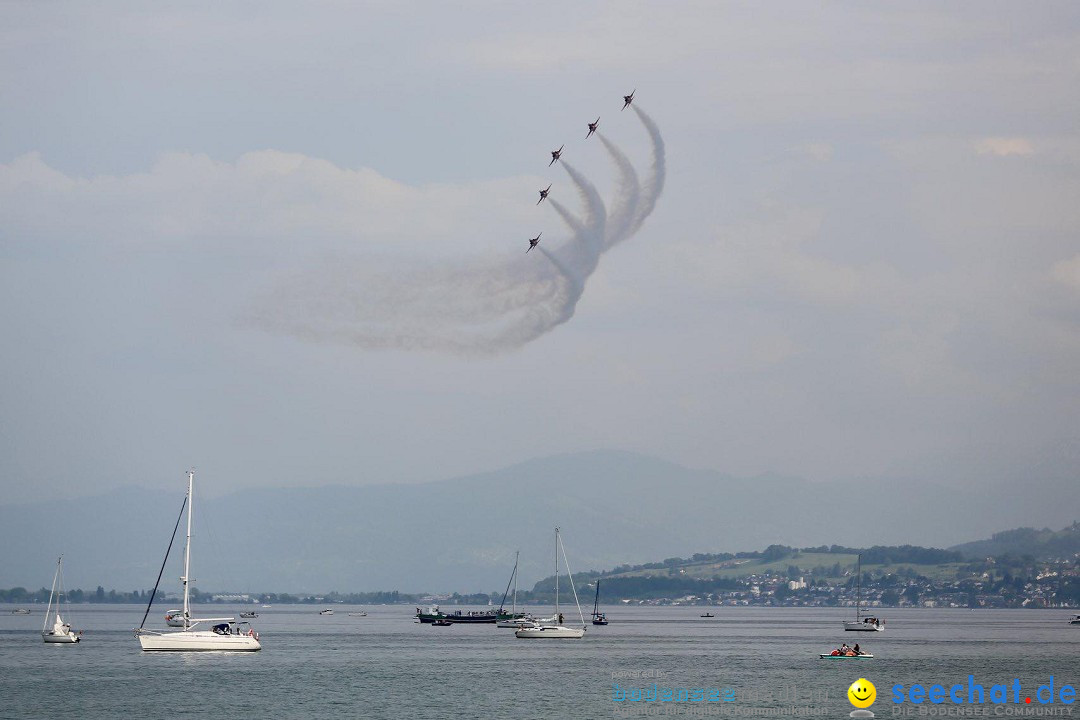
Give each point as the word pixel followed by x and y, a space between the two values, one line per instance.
pixel 460 534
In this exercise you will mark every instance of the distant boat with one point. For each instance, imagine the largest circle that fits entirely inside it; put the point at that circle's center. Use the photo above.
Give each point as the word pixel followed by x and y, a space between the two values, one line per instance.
pixel 473 616
pixel 327 611
pixel 708 614
pixel 265 606
pixel 358 614
pixel 1074 621
pixel 598 618
pixel 557 630
pixel 60 632
pixel 174 618
pixel 249 614
pixel 866 624
pixel 225 633
pixel 20 611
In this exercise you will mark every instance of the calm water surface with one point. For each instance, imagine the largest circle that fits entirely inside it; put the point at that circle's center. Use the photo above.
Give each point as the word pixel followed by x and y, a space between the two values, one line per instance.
pixel 387 666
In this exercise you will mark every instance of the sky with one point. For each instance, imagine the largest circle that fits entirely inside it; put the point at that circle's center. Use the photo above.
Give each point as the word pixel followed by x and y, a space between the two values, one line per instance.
pixel 283 243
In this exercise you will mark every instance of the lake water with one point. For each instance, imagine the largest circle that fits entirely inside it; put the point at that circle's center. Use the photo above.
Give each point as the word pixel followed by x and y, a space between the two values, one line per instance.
pixel 387 666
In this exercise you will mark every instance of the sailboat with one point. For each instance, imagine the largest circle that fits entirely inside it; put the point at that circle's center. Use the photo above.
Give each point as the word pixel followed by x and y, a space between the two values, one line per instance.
pixel 863 624
pixel 598 618
pixel 512 619
pixel 556 629
pixel 225 633
pixel 60 632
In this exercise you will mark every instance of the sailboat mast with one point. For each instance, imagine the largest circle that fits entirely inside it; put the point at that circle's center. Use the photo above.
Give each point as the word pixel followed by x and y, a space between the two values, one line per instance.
pixel 858 593
pixel 187 550
pixel 48 610
pixel 516 556
pixel 570 575
pixel 556 576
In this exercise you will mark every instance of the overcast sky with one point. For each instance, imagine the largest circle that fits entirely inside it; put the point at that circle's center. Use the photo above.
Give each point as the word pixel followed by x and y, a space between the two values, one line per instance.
pixel 865 260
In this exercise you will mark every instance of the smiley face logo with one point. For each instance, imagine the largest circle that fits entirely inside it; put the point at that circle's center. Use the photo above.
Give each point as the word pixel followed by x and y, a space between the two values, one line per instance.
pixel 862 693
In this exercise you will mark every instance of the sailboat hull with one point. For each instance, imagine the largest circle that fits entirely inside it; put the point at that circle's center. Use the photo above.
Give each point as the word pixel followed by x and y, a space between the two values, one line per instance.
pixel 550 631
pixel 863 627
pixel 69 638
pixel 198 641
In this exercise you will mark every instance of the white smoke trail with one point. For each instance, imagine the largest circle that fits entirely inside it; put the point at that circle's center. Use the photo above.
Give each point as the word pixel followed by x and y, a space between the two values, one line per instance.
pixel 465 308
pixel 568 217
pixel 654 186
pixel 624 211
pixel 595 212
pixel 468 307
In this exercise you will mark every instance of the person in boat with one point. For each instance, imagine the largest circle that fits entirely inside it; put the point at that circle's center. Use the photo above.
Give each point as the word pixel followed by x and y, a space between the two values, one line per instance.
pixel 856 648
pixel 844 649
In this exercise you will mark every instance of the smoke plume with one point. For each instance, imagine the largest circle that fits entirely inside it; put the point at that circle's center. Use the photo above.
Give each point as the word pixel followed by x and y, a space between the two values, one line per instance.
pixel 473 307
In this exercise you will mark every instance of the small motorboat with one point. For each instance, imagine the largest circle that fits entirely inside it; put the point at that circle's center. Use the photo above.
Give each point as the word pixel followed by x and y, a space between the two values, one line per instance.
pixel 20 611
pixel 707 615
pixel 1074 621
pixel 358 614
pixel 174 618
pixel 327 611
pixel 249 614
pixel 441 622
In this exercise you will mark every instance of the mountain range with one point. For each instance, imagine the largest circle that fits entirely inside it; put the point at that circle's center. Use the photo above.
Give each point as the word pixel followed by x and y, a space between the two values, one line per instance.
pixel 460 534
pixel 1040 544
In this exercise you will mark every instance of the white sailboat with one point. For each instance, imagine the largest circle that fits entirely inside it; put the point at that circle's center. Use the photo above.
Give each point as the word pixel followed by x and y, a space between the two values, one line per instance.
pixel 225 634
pixel 60 632
pixel 556 629
pixel 862 624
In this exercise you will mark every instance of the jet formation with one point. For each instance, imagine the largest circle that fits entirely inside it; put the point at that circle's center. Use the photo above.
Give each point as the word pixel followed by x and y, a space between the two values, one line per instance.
pixel 556 154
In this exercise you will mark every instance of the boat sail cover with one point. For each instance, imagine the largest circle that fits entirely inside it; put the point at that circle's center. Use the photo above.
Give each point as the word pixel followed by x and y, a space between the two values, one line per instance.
pixel 60 627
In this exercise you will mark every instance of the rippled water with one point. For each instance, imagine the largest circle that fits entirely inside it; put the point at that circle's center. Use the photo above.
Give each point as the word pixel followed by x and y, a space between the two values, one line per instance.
pixel 385 665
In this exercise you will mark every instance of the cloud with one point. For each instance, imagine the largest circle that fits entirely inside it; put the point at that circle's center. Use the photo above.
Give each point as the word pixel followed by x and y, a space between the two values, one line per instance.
pixel 289 200
pixel 1004 146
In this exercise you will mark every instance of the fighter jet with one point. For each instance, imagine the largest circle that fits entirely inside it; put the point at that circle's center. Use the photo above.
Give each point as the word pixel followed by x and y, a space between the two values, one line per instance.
pixel 533 242
pixel 592 128
pixel 543 194
pixel 627 99
pixel 555 155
